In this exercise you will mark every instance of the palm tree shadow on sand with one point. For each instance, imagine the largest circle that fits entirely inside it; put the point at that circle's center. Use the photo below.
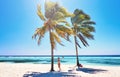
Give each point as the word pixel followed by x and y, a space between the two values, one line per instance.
pixel 51 74
pixel 90 70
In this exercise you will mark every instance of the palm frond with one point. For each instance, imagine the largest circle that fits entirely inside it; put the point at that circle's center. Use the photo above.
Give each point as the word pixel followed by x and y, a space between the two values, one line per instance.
pixel 68 37
pixel 58 15
pixel 63 31
pixel 49 9
pixel 40 32
pixel 80 29
pixel 74 19
pixel 51 24
pixel 91 28
pixel 49 5
pixel 57 38
pixel 65 12
pixel 55 12
pixel 39 40
pixel 88 35
pixel 86 31
pixel 89 23
pixel 77 19
pixel 77 12
pixel 87 17
pixel 40 13
pixel 83 40
pixel 77 43
pixel 63 21
pixel 37 34
pixel 44 29
pixel 60 33
pixel 79 16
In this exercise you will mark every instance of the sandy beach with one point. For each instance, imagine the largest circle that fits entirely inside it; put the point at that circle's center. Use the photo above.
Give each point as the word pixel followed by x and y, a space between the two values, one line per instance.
pixel 42 70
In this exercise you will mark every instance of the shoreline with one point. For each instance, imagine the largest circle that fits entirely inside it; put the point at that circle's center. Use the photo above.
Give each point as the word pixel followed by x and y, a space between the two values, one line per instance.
pixel 42 70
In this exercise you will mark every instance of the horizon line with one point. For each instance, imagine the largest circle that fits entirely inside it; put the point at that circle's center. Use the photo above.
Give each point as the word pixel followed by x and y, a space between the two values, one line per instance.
pixel 115 55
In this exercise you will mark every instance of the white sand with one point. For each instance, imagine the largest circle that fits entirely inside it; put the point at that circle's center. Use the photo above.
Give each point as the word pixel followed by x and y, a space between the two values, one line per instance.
pixel 42 70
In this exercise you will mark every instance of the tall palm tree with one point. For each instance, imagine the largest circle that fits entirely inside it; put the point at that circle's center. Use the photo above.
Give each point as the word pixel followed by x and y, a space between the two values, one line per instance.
pixel 55 24
pixel 82 28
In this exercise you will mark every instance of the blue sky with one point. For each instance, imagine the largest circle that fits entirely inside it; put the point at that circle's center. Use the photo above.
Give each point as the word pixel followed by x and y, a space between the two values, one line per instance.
pixel 18 21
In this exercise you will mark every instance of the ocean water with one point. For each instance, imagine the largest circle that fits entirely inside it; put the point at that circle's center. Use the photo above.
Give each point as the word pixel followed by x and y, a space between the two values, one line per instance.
pixel 111 60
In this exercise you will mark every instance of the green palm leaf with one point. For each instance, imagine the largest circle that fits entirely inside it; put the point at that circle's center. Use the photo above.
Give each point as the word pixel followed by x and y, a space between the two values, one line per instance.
pixel 88 35
pixel 77 43
pixel 64 29
pixel 83 40
pixel 89 23
pixel 90 28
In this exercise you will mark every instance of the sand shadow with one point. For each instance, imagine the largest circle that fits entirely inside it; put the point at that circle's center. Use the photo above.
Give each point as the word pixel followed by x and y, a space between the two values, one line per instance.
pixel 90 70
pixel 51 74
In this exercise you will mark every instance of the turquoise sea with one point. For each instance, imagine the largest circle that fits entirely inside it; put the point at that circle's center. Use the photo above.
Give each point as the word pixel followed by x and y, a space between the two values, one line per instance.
pixel 111 60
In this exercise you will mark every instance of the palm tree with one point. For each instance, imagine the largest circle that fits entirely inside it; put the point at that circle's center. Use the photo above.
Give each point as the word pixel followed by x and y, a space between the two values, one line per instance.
pixel 55 24
pixel 82 28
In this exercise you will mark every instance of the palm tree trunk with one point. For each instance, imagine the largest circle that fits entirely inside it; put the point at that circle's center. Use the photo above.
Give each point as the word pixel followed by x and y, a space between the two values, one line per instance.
pixel 52 60
pixel 52 53
pixel 77 59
